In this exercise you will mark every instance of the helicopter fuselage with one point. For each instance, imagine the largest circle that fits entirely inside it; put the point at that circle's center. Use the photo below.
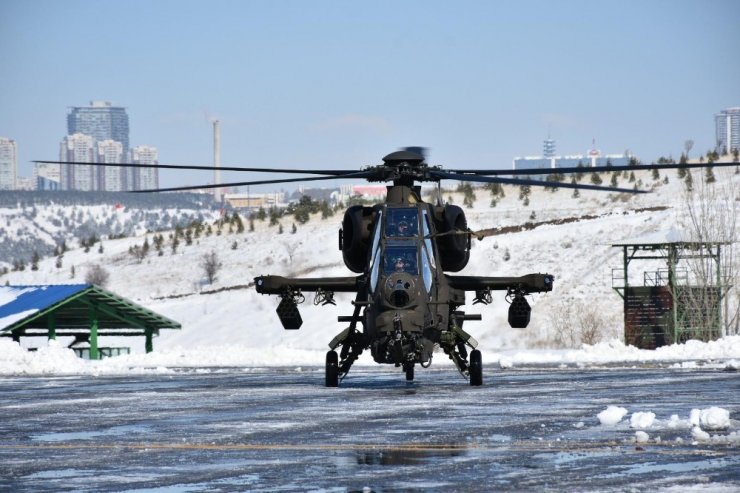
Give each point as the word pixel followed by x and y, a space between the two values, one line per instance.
pixel 406 304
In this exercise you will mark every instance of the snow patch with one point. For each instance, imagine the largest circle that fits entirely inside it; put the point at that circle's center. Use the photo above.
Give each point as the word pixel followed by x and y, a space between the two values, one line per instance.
pixel 642 420
pixel 611 415
pixel 641 437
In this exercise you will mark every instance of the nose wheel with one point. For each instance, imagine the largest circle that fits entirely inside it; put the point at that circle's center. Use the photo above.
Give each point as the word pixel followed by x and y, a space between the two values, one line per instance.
pixel 332 369
pixel 476 368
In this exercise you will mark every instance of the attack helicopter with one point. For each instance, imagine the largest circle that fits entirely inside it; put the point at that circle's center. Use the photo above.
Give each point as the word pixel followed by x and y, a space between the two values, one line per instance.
pixel 403 251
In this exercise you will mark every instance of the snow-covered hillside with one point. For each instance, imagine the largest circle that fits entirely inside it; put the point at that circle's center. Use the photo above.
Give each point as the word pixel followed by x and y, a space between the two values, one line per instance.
pixel 43 223
pixel 229 313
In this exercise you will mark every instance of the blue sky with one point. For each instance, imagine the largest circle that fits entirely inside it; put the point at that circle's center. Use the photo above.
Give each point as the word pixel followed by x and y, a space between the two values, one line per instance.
pixel 341 84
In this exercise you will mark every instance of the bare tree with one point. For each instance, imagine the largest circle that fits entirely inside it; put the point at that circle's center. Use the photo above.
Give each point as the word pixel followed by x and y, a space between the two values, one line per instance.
pixel 211 265
pixel 688 145
pixel 290 249
pixel 561 321
pixel 712 213
pixel 590 323
pixel 575 323
pixel 97 275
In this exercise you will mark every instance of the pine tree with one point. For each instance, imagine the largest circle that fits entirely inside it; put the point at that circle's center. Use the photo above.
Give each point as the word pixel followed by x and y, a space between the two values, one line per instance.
pixel 238 222
pixel 293 229
pixel 35 261
pixel 280 229
pixel 709 176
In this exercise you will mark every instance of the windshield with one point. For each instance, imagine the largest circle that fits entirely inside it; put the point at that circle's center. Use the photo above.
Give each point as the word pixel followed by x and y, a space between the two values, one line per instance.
pixel 402 222
pixel 401 259
pixel 374 264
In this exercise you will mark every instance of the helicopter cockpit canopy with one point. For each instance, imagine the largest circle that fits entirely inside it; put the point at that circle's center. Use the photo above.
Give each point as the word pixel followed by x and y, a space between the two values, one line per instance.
pixel 401 259
pixel 402 222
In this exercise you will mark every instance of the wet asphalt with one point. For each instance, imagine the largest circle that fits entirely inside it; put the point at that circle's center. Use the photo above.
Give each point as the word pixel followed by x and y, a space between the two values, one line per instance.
pixel 279 429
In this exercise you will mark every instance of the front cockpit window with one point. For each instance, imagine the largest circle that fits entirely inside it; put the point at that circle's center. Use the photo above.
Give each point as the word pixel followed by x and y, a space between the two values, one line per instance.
pixel 402 222
pixel 401 259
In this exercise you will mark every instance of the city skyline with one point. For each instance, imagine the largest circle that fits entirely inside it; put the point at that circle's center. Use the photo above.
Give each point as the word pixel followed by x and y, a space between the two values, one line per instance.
pixel 340 85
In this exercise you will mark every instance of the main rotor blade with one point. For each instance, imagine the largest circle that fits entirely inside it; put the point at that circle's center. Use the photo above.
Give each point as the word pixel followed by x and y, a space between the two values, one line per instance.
pixel 535 183
pixel 589 169
pixel 359 174
pixel 208 168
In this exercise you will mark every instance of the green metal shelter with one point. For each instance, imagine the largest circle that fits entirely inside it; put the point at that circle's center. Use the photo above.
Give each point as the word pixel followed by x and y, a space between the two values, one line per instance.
pixel 667 308
pixel 83 311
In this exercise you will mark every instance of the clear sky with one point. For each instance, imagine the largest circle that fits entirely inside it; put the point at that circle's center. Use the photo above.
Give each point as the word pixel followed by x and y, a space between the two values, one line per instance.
pixel 340 84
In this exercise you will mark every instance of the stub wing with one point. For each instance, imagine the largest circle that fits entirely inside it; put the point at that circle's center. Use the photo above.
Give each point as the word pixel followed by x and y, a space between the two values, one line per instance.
pixel 531 283
pixel 279 284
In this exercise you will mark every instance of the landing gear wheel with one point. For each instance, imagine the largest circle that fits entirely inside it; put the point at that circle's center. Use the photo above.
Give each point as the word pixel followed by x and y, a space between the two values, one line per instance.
pixel 332 369
pixel 410 374
pixel 476 369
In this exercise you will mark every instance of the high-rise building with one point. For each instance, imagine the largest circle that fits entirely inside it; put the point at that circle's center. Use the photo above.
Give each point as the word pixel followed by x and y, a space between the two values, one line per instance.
pixel 145 178
pixel 8 164
pixel 102 121
pixel 46 176
pixel 111 178
pixel 78 147
pixel 727 124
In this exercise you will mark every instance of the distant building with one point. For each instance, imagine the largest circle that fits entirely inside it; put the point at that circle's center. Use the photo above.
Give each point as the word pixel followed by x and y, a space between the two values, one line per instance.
pixel 550 161
pixel 22 183
pixel 111 178
pixel 79 148
pixel 101 121
pixel 255 200
pixel 145 178
pixel 727 124
pixel 46 176
pixel 8 164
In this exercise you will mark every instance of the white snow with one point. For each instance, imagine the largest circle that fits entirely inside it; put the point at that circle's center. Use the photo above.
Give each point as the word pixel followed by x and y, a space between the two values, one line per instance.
pixel 713 418
pixel 641 437
pixel 642 420
pixel 699 434
pixel 11 319
pixel 611 415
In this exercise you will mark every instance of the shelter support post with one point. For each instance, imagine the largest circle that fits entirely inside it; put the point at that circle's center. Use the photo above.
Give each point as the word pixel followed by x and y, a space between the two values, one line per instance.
pixel 51 326
pixel 149 345
pixel 93 333
pixel 672 286
pixel 625 266
pixel 720 293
